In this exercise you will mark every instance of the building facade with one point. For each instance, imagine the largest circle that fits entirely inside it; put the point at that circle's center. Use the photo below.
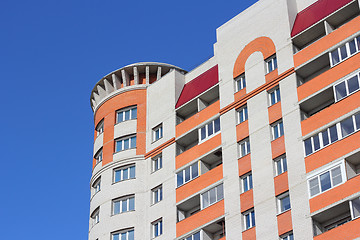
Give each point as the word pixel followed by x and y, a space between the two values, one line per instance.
pixel 261 141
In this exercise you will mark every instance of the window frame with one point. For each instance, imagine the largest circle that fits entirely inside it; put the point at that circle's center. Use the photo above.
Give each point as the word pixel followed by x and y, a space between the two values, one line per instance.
pixel 159 128
pixel 120 232
pixel 246 179
pixel 122 139
pixel 348 52
pixel 120 200
pixel 122 168
pixel 242 114
pixel 207 192
pixel 247 146
pixel 193 236
pixel 240 82
pixel 272 60
pixel 280 160
pixel 96 186
pixel 99 128
pixel 277 95
pixel 206 127
pixel 156 163
pixel 279 200
pixel 191 172
pixel 123 110
pixel 156 194
pixel 99 156
pixel 157 225
pixel 277 128
pixel 252 219
pixel 287 236
pixel 353 217
pixel 346 82
pixel 95 216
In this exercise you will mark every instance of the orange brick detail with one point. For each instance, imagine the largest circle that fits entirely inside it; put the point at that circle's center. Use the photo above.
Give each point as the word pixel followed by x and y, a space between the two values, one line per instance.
pixel 278 147
pixel 249 234
pixel 244 164
pixel 246 200
pixel 348 231
pixel 281 183
pixel 284 222
pixel 242 130
pixel 275 112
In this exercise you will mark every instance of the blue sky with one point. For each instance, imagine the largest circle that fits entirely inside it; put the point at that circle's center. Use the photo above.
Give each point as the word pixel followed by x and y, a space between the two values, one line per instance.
pixel 52 52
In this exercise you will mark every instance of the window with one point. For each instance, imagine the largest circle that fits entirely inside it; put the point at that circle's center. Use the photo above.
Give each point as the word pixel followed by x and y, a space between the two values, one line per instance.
pixel 95 216
pixel 187 174
pixel 99 156
pixel 271 64
pixel 326 180
pixel 157 132
pixel 242 114
pixel 124 173
pixel 246 182
pixel 157 228
pixel 288 236
pixel 283 202
pixel 126 114
pixel 280 165
pixel 125 143
pixel 346 87
pixel 124 235
pixel 100 128
pixel 277 130
pixel 355 208
pixel 123 204
pixel 332 134
pixel 195 236
pixel 209 129
pixel 212 196
pixel 249 219
pixel 274 96
pixel 157 194
pixel 244 147
pixel 345 51
pixel 240 82
pixel 156 163
pixel 96 185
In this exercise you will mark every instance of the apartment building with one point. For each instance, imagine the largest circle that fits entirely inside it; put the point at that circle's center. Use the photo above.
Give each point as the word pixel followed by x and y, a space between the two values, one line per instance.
pixel 261 141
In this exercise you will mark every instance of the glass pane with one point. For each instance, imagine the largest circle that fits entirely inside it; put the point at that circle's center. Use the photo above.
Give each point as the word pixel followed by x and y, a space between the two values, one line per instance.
pixel 353 84
pixel 131 204
pixel 125 173
pixel 281 126
pixel 203 133
pixel 210 129
pixel 336 176
pixel 245 184
pixel 314 186
pixel 357 120
pixel 124 206
pixel 284 164
pixel 333 134
pixel 252 218
pixel 160 227
pixel 335 57
pixel 347 126
pixel 115 237
pixel 195 171
pixel 243 82
pixel 220 192
pixel 239 87
pixel 356 207
pixel 325 137
pixel 131 235
pixel 278 167
pixel 276 131
pixel 217 125
pixel 117 207
pixel 340 91
pixel 270 68
pixel 358 42
pixel 248 146
pixel 352 46
pixel 316 142
pixel 212 195
pixel 123 236
pixel 187 174
pixel 285 203
pixel 250 182
pixel 117 175
pixel 133 142
pixel 190 238
pixel 132 172
pixel 120 116
pixel 119 145
pixel 275 63
pixel 179 179
pixel 241 116
pixel 243 149
pixel 205 198
pixel 126 144
pixel 246 113
pixel 156 232
pixel 343 52
pixel 127 115
pixel 134 113
pixel 291 236
pixel 196 236
pixel 308 146
pixel 278 95
pixel 272 95
pixel 325 181
pixel 247 221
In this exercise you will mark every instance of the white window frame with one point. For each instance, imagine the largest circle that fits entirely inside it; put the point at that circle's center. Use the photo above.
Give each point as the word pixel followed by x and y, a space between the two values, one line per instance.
pixel 157 225
pixel 99 156
pixel 272 61
pixel 100 127
pixel 156 194
pixel 329 168
pixel 122 140
pixel 277 128
pixel 156 163
pixel 240 82
pixel 246 178
pixel 346 87
pixel 327 132
pixel 246 144
pixel 124 110
pixel 347 47
pixel 277 97
pixel 122 169
pixel 207 193
pixel 96 186
pixel 191 167
pixel 248 213
pixel 126 231
pixel 242 114
pixel 157 132
pixel 287 236
pixel 121 200
pixel 279 161
pixel 95 216
pixel 353 217
pixel 192 235
pixel 206 127
pixel 279 202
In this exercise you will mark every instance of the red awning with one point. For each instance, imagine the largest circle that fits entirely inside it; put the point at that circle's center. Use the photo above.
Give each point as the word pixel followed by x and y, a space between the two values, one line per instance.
pixel 198 85
pixel 315 13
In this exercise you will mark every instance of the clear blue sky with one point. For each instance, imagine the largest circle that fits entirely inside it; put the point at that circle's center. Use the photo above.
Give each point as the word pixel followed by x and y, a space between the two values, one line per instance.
pixel 52 52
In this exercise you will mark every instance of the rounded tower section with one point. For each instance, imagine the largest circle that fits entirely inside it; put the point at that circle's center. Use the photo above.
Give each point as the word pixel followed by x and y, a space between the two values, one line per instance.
pixel 117 206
